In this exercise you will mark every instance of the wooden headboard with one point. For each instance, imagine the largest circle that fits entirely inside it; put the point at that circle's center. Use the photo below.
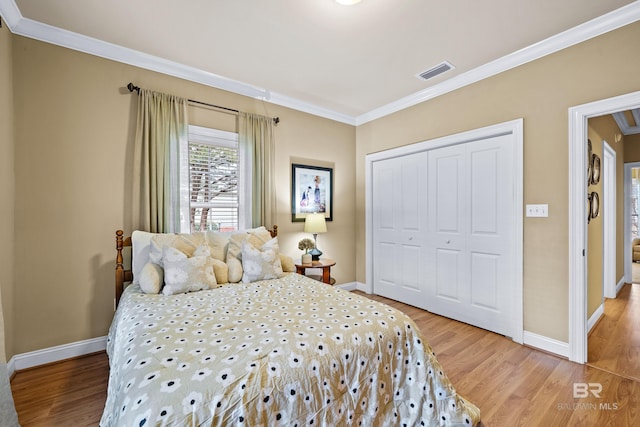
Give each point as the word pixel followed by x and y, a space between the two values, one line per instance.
pixel 126 275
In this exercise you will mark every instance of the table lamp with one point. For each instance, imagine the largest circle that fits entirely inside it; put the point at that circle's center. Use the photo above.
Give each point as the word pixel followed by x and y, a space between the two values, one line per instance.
pixel 314 223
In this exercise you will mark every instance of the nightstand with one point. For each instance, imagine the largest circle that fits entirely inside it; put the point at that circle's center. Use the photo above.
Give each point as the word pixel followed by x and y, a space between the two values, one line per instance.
pixel 324 263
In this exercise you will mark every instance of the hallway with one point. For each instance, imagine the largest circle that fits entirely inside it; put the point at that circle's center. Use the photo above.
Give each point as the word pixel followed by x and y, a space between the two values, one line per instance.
pixel 614 343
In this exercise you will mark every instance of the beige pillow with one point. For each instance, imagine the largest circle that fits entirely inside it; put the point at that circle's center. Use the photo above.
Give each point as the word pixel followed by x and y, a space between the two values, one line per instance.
pixel 256 237
pixel 287 263
pixel 218 244
pixel 151 278
pixel 261 262
pixel 221 270
pixel 185 243
pixel 182 274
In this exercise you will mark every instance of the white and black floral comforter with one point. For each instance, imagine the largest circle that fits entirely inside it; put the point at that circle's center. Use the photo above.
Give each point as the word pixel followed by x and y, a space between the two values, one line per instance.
pixel 285 352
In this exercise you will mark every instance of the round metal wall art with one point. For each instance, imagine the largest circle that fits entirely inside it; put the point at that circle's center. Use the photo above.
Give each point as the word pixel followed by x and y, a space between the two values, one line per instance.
pixel 589 161
pixel 593 206
pixel 595 169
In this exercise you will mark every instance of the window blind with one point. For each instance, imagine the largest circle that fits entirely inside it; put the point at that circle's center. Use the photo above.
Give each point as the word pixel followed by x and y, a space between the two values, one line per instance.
pixel 213 187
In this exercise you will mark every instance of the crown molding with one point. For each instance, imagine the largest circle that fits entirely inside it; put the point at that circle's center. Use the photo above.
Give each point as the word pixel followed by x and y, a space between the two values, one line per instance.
pixel 296 104
pixel 29 28
pixel 596 27
pixel 39 31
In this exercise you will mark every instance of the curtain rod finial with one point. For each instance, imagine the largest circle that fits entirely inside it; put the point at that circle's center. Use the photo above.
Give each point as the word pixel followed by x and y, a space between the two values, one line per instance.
pixel 132 87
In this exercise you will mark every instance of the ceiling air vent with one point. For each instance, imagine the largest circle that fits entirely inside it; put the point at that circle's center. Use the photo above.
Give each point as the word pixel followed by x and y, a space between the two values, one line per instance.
pixel 442 67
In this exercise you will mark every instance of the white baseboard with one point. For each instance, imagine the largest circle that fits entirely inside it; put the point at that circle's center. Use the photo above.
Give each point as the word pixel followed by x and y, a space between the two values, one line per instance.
pixel 353 286
pixel 547 344
pixel 362 287
pixel 11 366
pixel 347 286
pixel 620 285
pixel 529 338
pixel 595 317
pixel 55 354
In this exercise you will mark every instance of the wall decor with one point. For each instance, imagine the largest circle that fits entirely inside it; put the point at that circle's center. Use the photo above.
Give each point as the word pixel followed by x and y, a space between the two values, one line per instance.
pixel 595 169
pixel 589 160
pixel 595 205
pixel 311 191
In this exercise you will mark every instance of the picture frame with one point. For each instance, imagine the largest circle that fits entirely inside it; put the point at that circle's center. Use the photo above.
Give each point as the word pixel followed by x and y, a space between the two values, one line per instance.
pixel 311 191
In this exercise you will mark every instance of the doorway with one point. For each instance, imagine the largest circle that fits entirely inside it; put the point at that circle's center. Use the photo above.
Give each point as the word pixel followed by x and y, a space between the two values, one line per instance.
pixel 578 117
pixel 631 221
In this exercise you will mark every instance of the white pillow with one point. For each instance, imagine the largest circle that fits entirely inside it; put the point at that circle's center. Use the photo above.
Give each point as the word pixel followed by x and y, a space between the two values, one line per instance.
pixel 182 274
pixel 151 278
pixel 140 245
pixel 257 237
pixel 261 263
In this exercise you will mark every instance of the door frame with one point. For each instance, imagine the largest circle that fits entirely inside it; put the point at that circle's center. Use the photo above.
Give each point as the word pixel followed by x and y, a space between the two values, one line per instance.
pixel 515 128
pixel 628 275
pixel 578 131
pixel 609 221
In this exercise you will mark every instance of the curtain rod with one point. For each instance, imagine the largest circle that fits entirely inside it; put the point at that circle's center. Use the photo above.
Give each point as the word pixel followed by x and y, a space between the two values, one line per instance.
pixel 133 87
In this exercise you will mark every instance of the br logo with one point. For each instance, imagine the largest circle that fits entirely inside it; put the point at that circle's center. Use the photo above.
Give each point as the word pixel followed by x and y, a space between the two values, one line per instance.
pixel 582 390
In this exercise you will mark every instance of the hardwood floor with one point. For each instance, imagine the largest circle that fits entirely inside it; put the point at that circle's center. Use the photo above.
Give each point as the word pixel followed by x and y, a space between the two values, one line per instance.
pixel 68 393
pixel 614 343
pixel 513 385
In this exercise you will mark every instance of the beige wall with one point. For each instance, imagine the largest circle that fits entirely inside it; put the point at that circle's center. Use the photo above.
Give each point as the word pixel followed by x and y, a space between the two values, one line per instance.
pixel 632 148
pixel 73 133
pixel 604 128
pixel 541 92
pixel 74 127
pixel 6 194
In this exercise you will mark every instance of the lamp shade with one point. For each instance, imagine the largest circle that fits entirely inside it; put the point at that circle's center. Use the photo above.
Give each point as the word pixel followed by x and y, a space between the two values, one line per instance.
pixel 315 223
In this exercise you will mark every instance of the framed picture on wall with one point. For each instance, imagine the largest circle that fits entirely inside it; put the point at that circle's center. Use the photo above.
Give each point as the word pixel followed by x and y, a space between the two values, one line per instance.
pixel 311 191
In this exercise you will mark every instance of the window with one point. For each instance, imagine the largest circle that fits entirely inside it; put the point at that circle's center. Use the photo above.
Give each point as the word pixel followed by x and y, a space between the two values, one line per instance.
pixel 212 184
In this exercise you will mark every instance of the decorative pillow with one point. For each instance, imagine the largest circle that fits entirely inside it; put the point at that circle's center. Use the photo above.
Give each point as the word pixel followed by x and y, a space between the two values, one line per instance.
pixel 182 274
pixel 261 263
pixel 287 263
pixel 221 270
pixel 140 242
pixel 218 243
pixel 151 278
pixel 256 237
pixel 186 243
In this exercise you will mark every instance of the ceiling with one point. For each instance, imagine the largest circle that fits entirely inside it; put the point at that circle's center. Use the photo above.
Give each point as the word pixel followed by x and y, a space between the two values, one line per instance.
pixel 628 121
pixel 348 63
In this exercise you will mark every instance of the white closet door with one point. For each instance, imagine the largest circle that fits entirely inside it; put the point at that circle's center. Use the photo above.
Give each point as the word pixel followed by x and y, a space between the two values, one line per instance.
pixel 448 213
pixel 400 228
pixel 470 188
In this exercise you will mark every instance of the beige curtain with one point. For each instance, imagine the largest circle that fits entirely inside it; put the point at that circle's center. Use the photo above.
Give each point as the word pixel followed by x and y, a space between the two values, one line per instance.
pixel 161 126
pixel 256 135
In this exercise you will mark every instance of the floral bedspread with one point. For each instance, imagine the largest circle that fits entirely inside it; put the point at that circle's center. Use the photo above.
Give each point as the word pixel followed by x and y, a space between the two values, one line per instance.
pixel 284 352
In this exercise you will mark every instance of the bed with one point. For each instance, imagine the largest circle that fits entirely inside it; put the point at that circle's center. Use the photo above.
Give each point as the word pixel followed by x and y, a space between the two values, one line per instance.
pixel 287 351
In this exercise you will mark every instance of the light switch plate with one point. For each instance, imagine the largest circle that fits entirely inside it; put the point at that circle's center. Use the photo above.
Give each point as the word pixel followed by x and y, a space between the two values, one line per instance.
pixel 538 211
